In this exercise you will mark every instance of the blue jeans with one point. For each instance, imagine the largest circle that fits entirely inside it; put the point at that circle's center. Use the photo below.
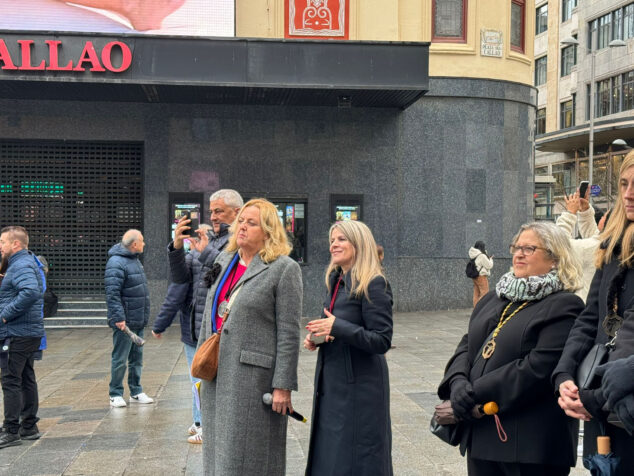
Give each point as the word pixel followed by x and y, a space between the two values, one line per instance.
pixel 124 350
pixel 190 350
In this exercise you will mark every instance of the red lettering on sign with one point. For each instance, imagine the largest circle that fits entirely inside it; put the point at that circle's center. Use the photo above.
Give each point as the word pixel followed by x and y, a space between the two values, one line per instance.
pixel 25 47
pixel 53 61
pixel 106 56
pixel 5 57
pixel 89 55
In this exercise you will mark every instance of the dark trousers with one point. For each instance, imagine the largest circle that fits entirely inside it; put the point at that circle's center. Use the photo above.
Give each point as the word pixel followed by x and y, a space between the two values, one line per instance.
pixel 481 467
pixel 19 387
pixel 123 350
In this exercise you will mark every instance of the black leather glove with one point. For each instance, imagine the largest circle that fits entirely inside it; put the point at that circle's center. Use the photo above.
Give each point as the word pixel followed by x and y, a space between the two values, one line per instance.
pixel 618 379
pixel 624 409
pixel 461 399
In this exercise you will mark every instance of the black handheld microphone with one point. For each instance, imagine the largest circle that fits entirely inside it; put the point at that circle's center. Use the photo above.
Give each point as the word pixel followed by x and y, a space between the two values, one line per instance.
pixel 267 398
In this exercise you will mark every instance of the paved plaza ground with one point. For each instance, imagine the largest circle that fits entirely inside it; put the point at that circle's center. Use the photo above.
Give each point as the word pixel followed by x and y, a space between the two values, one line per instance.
pixel 82 435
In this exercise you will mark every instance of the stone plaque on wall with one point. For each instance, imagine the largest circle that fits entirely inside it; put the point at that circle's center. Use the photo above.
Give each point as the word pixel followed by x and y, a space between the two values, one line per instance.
pixel 491 43
pixel 317 19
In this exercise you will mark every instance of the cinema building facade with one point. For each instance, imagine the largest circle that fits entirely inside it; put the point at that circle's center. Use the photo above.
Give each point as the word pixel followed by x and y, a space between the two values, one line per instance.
pixel 417 120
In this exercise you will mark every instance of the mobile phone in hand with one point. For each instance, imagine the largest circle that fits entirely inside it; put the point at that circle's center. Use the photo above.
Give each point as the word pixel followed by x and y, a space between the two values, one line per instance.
pixel 583 188
pixel 194 224
pixel 317 340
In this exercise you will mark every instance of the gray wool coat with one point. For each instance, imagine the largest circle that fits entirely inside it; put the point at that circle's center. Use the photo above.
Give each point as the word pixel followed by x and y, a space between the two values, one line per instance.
pixel 259 349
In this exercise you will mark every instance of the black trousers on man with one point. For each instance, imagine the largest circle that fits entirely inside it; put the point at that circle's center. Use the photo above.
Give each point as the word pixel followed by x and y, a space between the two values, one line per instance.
pixel 19 387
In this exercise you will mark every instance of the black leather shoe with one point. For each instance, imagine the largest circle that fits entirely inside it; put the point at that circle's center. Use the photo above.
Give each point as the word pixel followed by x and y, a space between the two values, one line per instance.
pixel 30 434
pixel 9 439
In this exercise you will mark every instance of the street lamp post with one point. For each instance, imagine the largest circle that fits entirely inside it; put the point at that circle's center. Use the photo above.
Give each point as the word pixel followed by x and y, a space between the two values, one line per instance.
pixel 613 44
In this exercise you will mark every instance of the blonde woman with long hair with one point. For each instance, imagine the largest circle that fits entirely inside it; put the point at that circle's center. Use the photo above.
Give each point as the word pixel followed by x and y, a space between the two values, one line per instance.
pixel 351 431
pixel 255 300
pixel 606 319
pixel 514 341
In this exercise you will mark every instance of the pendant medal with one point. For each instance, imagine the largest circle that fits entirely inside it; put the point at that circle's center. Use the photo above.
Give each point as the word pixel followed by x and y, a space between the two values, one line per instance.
pixel 488 350
pixel 223 309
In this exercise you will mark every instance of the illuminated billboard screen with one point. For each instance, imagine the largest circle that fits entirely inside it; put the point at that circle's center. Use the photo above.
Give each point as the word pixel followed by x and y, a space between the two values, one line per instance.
pixel 152 17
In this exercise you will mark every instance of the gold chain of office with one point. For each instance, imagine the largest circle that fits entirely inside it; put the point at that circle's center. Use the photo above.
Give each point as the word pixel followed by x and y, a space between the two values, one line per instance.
pixel 489 348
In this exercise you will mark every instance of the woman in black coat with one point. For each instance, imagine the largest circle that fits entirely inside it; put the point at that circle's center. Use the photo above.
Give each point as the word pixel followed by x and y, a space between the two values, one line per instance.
pixel 611 293
pixel 515 338
pixel 351 432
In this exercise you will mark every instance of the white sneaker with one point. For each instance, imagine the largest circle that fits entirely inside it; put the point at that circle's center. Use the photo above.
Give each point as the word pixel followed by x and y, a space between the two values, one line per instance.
pixel 141 398
pixel 192 430
pixel 117 402
pixel 196 439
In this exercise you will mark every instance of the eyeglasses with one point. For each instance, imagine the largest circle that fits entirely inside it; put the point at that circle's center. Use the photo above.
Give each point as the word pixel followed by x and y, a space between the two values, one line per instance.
pixel 526 250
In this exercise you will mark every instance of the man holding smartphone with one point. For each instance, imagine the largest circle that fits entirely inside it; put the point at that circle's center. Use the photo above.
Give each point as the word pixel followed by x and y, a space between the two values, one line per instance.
pixel 193 268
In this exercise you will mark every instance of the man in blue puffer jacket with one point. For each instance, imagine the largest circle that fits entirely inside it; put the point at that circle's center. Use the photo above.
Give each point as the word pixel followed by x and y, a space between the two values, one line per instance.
pixel 128 302
pixel 21 331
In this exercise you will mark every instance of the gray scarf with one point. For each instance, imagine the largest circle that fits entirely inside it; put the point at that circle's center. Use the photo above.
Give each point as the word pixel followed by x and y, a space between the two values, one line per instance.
pixel 532 288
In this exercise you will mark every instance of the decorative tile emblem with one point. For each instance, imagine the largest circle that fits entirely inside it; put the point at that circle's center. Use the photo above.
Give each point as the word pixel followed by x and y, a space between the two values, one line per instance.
pixel 317 19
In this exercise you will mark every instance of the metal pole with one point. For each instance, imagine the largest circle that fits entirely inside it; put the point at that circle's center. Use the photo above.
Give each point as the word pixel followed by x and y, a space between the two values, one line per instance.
pixel 591 132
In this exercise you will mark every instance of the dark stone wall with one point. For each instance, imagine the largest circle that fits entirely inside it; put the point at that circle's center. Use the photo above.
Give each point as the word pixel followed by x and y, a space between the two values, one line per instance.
pixel 453 168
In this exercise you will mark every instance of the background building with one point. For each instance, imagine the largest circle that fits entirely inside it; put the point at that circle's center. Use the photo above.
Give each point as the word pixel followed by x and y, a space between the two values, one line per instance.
pixel 415 116
pixel 563 75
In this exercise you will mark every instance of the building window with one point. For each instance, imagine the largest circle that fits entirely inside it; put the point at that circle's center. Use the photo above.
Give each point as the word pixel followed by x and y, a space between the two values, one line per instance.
pixel 541 19
pixel 517 25
pixel 541 121
pixel 567 114
pixel 568 59
pixel 605 27
pixel 603 98
pixel 628 21
pixel 540 70
pixel 592 29
pixel 588 102
pixel 617 24
pixel 566 9
pixel 450 24
pixel 628 91
pixel 616 95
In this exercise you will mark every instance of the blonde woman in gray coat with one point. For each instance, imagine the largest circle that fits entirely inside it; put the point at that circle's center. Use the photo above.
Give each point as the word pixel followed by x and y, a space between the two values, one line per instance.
pixel 262 289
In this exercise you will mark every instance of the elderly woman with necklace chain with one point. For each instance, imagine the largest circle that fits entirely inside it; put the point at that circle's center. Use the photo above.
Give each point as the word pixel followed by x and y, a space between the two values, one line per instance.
pixel 515 338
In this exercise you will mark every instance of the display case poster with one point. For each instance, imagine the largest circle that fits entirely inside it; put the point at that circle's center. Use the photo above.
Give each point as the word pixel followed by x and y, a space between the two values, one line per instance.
pixel 347 212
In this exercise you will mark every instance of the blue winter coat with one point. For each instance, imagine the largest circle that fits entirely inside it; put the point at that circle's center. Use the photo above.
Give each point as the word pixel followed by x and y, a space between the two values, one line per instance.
pixel 127 293
pixel 22 298
pixel 178 300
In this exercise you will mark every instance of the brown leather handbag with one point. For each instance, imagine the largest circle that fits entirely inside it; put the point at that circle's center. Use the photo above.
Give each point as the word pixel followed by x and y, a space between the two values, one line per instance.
pixel 205 362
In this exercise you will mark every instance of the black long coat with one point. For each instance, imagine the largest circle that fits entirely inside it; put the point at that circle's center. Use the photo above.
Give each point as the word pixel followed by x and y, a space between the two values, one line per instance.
pixel 517 378
pixel 587 331
pixel 351 432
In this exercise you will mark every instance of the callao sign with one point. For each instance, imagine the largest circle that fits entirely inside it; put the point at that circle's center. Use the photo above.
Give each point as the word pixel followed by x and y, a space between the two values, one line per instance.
pixel 115 56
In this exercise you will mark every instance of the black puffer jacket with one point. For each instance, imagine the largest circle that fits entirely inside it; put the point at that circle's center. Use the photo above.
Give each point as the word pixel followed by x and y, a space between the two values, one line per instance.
pixel 187 268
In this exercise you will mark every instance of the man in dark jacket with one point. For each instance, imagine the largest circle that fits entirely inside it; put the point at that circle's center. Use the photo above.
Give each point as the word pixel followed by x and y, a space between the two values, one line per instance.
pixel 224 206
pixel 128 304
pixel 21 331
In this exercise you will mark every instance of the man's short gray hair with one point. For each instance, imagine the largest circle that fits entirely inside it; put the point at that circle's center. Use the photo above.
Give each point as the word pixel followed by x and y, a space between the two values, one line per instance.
pixel 130 237
pixel 231 197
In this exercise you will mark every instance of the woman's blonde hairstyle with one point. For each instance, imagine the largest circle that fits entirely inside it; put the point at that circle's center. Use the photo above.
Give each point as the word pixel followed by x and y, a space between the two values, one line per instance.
pixel 619 230
pixel 557 244
pixel 276 243
pixel 366 265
